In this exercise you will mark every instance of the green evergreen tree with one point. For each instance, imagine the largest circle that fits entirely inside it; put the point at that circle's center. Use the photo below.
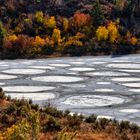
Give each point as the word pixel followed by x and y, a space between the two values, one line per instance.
pixel 97 13
pixel 2 32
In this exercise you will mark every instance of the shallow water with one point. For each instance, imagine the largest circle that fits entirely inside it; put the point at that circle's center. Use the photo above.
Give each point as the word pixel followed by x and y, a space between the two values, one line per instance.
pixel 106 86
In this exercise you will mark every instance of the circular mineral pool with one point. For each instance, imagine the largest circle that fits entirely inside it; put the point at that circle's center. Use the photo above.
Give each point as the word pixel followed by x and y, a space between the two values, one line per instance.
pixel 129 110
pixel 126 65
pixel 27 88
pixel 59 79
pixel 126 79
pixel 42 67
pixel 59 65
pixel 92 100
pixel 7 77
pixel 77 63
pixel 134 85
pixel 24 71
pixel 107 73
pixel 104 90
pixel 81 69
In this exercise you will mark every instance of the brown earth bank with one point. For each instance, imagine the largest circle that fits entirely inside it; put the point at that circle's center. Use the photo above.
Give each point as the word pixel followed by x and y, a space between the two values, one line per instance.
pixel 20 119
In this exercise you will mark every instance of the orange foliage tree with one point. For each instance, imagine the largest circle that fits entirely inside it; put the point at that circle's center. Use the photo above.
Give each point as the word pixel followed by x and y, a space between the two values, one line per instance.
pixel 38 41
pixel 20 41
pixel 17 45
pixel 130 39
pixel 133 40
pixel 81 19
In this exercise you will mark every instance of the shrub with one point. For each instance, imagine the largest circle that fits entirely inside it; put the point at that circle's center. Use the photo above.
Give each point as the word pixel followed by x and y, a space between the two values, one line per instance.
pixel 124 125
pixel 22 111
pixel 91 119
pixel 21 102
pixel 11 109
pixel 74 121
pixel 51 125
pixel 8 98
pixel 53 111
pixel 2 94
pixel 4 118
pixel 17 132
pixel 33 118
pixel 134 128
pixel 35 107
pixel 103 122
pixel 63 135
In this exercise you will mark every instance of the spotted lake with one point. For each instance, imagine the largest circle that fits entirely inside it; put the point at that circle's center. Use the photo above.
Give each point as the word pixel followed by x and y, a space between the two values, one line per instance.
pixel 107 86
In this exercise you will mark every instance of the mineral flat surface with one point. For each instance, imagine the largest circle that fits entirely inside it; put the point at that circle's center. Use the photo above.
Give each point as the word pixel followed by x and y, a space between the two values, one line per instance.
pixel 107 86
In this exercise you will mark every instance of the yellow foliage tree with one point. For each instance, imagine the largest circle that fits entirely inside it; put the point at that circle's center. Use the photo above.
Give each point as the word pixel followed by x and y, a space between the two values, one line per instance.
pixel 9 41
pixel 50 22
pixel 75 40
pixel 49 41
pixel 39 17
pixel 102 33
pixel 110 32
pixel 65 24
pixel 56 36
pixel 38 41
pixel 12 38
pixel 113 32
pixel 37 44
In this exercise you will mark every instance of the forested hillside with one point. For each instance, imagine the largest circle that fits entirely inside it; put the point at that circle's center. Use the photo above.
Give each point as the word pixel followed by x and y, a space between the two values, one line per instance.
pixel 43 28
